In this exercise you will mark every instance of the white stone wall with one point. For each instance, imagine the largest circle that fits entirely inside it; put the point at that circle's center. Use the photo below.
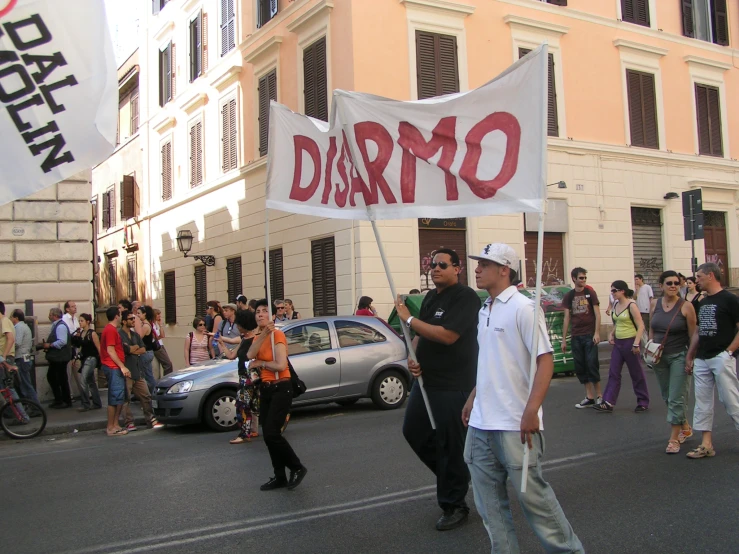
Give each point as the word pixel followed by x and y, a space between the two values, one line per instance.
pixel 46 254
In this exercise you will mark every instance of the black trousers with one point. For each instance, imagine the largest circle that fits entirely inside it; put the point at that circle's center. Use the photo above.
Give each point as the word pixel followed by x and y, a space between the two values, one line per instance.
pixel 276 401
pixel 58 381
pixel 442 450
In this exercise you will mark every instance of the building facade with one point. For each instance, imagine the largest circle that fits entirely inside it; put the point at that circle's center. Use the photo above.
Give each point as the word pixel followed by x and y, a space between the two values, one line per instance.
pixel 46 255
pixel 639 107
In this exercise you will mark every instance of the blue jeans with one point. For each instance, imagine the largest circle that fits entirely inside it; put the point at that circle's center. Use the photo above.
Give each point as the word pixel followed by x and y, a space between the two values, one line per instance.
pixel 116 386
pixel 585 355
pixel 89 385
pixel 495 456
pixel 24 374
pixel 146 367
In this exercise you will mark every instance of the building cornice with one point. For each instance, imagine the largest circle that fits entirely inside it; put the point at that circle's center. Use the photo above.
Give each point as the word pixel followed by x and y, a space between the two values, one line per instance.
pixel 538 26
pixel 451 8
pixel 321 9
pixel 631 46
pixel 189 5
pixel 165 123
pixel 192 102
pixel 268 49
pixel 227 71
pixel 705 62
pixel 164 30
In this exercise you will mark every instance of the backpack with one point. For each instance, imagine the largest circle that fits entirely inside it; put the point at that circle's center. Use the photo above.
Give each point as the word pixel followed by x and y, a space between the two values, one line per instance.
pixel 297 384
pixel 587 295
pixel 628 308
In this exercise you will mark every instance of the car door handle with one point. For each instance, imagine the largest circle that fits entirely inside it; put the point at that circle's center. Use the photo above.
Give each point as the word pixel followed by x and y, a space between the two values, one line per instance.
pixel 330 361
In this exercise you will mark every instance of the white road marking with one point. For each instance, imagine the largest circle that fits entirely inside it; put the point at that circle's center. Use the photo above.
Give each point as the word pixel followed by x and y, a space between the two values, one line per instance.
pixel 569 459
pixel 255 524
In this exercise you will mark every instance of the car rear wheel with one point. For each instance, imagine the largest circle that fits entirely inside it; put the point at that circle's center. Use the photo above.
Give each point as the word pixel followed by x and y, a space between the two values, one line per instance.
pixel 219 412
pixel 389 390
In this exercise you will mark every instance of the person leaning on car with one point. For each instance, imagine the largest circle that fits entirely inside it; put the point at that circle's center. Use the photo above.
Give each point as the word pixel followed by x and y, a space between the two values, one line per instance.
pixel 446 347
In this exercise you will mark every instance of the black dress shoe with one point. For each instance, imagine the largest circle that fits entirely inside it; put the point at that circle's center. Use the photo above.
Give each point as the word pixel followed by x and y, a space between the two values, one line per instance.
pixel 296 477
pixel 56 404
pixel 274 483
pixel 61 406
pixel 452 519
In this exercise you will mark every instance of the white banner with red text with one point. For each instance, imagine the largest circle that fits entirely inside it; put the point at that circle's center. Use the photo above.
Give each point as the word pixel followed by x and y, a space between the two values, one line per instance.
pixel 58 92
pixel 481 152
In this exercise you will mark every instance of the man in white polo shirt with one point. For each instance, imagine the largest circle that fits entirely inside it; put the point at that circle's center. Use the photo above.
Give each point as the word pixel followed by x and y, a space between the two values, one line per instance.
pixel 502 416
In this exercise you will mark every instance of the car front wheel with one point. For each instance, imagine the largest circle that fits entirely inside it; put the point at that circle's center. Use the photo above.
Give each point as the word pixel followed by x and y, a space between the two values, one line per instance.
pixel 389 390
pixel 219 412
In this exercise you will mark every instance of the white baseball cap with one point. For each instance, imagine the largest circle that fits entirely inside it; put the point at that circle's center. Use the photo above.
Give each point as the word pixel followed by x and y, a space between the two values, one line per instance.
pixel 500 253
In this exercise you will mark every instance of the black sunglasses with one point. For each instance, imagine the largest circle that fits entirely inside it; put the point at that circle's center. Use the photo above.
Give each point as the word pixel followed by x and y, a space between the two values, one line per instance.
pixel 672 283
pixel 442 265
pixel 615 290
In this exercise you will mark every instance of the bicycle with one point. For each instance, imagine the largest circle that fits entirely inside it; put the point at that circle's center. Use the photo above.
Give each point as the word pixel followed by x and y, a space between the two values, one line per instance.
pixel 22 418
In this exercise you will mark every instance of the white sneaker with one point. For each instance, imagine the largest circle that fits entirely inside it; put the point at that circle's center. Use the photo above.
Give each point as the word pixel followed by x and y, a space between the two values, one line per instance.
pixel 585 403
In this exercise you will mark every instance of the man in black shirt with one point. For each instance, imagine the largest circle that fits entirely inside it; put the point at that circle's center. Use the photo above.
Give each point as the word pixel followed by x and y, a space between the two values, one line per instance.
pixel 446 347
pixel 711 357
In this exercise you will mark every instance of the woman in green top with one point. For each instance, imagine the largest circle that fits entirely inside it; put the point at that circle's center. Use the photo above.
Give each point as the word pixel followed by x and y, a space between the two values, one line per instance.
pixel 628 328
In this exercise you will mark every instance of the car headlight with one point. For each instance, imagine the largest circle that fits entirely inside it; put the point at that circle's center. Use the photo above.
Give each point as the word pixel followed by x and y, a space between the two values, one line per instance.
pixel 182 386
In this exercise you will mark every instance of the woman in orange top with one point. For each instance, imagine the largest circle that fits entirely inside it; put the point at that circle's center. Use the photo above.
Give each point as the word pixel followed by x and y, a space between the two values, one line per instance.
pixel 276 397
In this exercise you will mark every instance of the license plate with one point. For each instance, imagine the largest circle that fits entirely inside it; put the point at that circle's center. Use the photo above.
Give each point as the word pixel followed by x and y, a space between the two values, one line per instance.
pixel 154 404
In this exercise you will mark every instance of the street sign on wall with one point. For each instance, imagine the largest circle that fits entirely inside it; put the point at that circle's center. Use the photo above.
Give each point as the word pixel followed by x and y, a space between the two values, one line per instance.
pixel 693 214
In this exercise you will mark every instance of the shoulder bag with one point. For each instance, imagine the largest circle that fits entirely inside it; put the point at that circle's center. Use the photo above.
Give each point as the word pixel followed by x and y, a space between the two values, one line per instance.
pixel 653 350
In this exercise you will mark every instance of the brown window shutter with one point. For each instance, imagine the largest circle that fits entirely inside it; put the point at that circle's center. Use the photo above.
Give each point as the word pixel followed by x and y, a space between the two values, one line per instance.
pixel 448 70
pixel 276 275
pixel 437 70
pixel 228 26
pixel 642 109
pixel 720 22
pixel 167 171
pixel 232 139
pixel 196 47
pixel 170 298
pixel 225 120
pixel 323 261
pixel 113 280
pixel 166 76
pixel 196 154
pixel 686 7
pixel 233 278
pixel 132 283
pixel 128 197
pixel 267 92
pixel 134 112
pixel 173 74
pixel 201 291
pixel 635 11
pixel 552 116
pixel 315 80
pixel 709 121
pixel 106 211
pixel 111 206
pixel 557 2
pixel 204 39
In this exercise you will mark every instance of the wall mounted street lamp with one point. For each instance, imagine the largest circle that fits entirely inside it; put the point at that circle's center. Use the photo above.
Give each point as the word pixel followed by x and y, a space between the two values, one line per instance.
pixel 671 196
pixel 560 185
pixel 184 245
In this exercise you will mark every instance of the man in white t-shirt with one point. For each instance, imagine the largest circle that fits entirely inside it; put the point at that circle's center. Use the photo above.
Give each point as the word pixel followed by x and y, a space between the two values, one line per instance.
pixel 644 295
pixel 504 414
pixel 73 323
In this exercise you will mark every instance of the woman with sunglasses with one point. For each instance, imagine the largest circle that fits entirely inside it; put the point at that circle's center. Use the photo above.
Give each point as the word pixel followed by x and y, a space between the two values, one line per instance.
pixel 672 324
pixel 146 316
pixel 628 328
pixel 693 294
pixel 364 307
pixel 197 344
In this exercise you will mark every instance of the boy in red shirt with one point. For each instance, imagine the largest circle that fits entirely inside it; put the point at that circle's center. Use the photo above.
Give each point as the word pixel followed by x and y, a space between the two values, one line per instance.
pixel 111 358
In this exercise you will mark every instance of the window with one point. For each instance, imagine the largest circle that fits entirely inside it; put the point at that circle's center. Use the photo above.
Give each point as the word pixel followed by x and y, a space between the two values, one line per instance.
pixel 315 80
pixel 437 71
pixel 706 20
pixel 323 261
pixel 276 282
pixel 157 5
pixel 112 279
pixel 132 286
pixel 129 197
pixel 109 208
pixel 642 109
pixel 196 47
pixel 166 74
pixel 228 135
pixel 228 26
pixel 196 153
pixel 134 111
pixel 167 170
pixel 201 291
pixel 267 92
pixel 556 2
pixel 170 298
pixel 635 11
pixel 266 10
pixel 351 333
pixel 233 278
pixel 553 119
pixel 708 110
pixel 313 337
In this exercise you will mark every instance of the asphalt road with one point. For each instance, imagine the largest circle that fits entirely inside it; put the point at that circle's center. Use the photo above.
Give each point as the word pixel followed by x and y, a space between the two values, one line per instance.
pixel 188 490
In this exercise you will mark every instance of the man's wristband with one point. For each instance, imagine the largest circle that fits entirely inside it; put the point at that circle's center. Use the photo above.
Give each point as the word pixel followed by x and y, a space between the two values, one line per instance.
pixel 408 321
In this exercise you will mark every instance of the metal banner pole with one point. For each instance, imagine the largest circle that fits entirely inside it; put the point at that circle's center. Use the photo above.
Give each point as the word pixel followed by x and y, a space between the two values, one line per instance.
pixel 403 325
pixel 692 237
pixel 535 340
pixel 269 283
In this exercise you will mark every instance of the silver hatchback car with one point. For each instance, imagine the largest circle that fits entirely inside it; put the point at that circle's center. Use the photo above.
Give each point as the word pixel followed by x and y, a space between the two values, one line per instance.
pixel 340 358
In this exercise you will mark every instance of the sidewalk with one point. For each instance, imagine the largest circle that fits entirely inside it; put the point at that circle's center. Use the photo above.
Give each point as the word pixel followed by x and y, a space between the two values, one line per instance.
pixel 69 420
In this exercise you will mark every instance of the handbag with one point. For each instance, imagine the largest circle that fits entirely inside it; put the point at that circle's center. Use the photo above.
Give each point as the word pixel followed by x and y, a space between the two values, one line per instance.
pixel 297 384
pixel 653 350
